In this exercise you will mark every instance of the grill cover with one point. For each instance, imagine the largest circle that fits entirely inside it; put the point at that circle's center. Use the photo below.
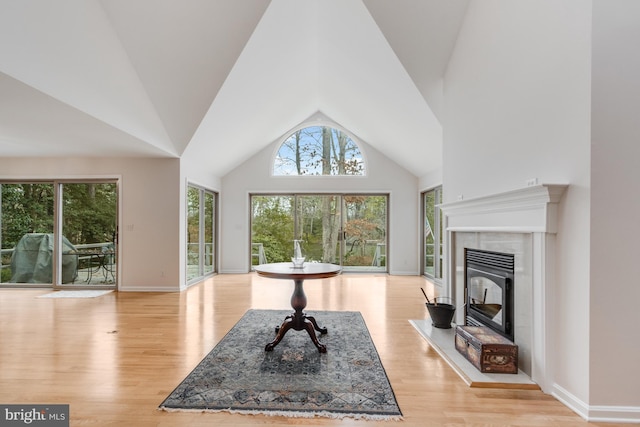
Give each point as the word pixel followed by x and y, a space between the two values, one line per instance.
pixel 32 259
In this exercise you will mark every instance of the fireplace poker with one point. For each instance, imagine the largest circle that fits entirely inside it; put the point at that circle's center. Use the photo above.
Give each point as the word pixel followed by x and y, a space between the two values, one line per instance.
pixel 425 295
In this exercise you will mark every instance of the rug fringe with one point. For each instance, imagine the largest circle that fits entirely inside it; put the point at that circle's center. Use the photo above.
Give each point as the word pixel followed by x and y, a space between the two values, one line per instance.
pixel 293 414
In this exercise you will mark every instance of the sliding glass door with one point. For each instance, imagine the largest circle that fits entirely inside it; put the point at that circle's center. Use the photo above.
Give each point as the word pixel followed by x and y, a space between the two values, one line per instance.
pixel 58 234
pixel 318 225
pixel 272 229
pixel 364 242
pixel 344 229
pixel 89 233
pixel 201 221
pixel 208 228
pixel 432 234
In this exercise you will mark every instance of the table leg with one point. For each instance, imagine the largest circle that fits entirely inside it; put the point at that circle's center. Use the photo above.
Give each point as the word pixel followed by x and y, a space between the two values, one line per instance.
pixel 315 324
pixel 298 320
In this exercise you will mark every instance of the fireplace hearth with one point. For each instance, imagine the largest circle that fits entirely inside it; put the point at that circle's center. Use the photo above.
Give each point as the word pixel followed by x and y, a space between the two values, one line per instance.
pixel 489 282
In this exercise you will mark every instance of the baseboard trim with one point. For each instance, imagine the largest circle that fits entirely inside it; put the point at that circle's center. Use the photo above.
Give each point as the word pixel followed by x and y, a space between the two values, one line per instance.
pixel 597 413
pixel 147 289
pixel 403 273
pixel 614 414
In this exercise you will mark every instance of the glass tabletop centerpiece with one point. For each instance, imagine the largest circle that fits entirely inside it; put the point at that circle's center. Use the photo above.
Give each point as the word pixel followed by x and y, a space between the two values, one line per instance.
pixel 297 259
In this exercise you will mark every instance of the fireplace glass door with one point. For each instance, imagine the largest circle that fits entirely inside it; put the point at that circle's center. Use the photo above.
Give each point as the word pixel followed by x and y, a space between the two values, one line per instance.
pixel 485 296
pixel 489 290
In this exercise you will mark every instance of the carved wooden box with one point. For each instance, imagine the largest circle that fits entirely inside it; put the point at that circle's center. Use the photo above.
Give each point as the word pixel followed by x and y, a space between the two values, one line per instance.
pixel 487 350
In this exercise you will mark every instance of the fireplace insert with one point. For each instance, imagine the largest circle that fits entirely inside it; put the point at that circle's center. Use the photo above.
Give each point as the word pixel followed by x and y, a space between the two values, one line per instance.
pixel 489 290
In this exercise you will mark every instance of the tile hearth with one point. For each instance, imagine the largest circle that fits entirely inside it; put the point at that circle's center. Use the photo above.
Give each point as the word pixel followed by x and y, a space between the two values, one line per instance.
pixel 442 341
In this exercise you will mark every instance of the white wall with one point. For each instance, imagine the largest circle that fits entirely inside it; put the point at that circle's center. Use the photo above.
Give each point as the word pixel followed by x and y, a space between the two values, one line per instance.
pixel 430 180
pixel 197 169
pixel 517 105
pixel 149 222
pixel 383 176
pixel 615 204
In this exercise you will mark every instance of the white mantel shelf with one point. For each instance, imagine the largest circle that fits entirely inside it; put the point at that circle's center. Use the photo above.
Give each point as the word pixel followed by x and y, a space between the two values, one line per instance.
pixel 529 209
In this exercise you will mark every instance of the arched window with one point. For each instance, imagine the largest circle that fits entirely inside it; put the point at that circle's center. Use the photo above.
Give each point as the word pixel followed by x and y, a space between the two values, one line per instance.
pixel 318 150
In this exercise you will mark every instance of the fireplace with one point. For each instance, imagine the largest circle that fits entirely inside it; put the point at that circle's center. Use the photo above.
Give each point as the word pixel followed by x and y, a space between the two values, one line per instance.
pixel 522 223
pixel 489 281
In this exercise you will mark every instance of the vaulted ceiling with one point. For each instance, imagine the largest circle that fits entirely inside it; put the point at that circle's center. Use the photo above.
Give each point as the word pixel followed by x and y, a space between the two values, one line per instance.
pixel 223 78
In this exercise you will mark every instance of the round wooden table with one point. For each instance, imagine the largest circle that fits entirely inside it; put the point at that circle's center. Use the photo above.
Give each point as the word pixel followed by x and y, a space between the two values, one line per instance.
pixel 298 320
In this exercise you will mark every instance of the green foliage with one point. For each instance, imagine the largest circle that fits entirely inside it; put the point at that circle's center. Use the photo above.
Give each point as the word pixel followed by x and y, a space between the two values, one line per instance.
pixel 193 215
pixel 432 198
pixel 272 225
pixel 26 208
pixel 318 224
pixel 89 212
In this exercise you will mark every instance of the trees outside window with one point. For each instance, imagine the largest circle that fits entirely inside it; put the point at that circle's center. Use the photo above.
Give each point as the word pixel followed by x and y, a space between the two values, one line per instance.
pixel 77 220
pixel 432 233
pixel 319 150
pixel 201 232
pixel 26 208
pixel 89 223
pixel 272 229
pixel 345 229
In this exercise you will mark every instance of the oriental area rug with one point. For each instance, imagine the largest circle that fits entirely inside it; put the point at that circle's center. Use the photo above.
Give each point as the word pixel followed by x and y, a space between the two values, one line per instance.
pixel 294 379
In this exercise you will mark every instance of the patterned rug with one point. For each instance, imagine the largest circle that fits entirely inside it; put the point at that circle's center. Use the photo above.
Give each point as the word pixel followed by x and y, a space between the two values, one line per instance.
pixel 294 379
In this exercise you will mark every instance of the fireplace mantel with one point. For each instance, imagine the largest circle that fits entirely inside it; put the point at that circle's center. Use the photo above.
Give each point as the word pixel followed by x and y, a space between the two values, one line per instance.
pixel 530 209
pixel 524 219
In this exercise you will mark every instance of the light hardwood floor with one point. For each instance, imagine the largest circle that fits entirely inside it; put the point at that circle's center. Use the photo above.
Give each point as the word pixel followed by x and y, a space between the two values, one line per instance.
pixel 115 358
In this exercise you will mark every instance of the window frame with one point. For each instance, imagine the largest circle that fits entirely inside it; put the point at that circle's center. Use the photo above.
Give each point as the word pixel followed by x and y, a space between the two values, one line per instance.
pixel 438 235
pixel 202 244
pixel 293 202
pixel 57 229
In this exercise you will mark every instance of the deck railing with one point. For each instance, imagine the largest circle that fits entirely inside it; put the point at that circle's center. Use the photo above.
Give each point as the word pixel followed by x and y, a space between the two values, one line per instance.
pixel 92 257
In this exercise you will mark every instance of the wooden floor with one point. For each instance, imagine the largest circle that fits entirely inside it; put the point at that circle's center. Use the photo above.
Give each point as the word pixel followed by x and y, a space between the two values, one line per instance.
pixel 115 358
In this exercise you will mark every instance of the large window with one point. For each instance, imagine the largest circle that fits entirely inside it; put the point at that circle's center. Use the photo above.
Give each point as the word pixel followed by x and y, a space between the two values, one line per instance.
pixel 345 229
pixel 58 233
pixel 319 150
pixel 201 221
pixel 432 233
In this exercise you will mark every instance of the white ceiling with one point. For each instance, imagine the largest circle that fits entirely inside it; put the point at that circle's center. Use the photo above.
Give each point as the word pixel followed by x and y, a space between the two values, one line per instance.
pixel 223 78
